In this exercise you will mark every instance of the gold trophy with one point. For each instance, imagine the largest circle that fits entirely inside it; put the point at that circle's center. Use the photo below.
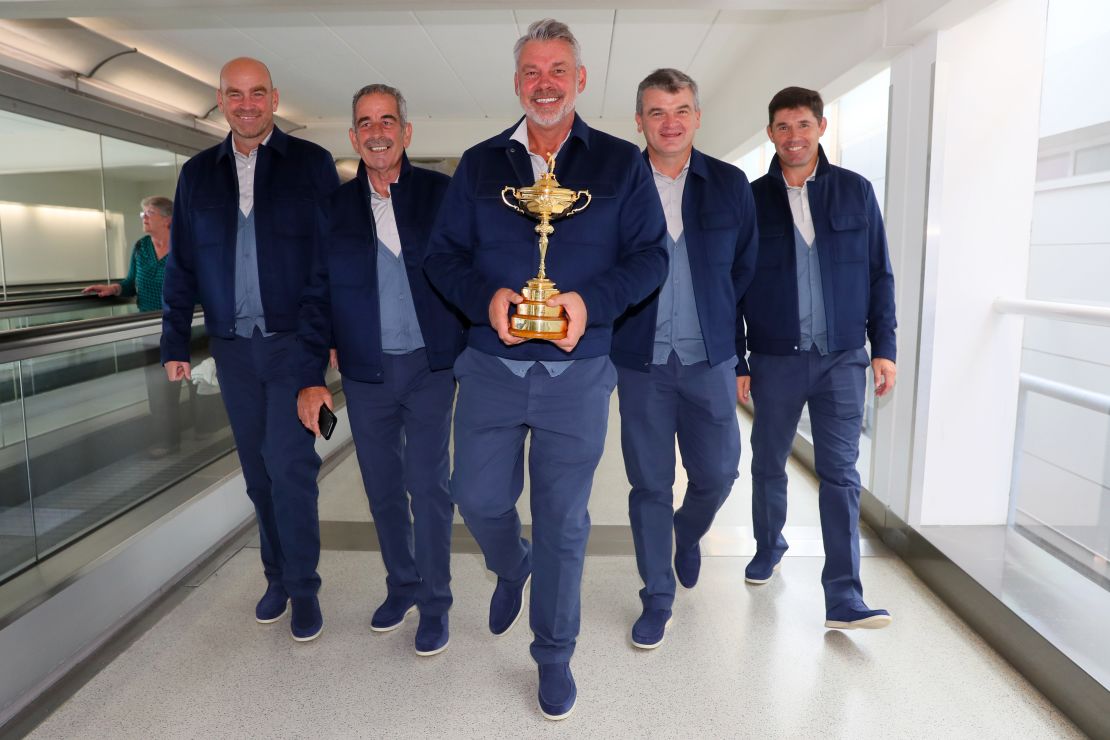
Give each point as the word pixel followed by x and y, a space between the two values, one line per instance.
pixel 544 201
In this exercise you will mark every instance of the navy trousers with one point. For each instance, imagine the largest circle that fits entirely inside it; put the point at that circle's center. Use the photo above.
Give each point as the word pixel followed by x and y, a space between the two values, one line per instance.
pixel 567 416
pixel 696 403
pixel 401 429
pixel 833 386
pixel 259 385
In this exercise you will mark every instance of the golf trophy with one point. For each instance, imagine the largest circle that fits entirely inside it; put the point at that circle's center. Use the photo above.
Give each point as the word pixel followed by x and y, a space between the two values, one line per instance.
pixel 544 201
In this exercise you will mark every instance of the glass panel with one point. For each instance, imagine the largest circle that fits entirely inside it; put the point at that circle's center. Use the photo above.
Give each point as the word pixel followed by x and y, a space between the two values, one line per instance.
pixel 1092 159
pixel 1052 167
pixel 131 173
pixel 107 431
pixel 51 205
pixel 17 542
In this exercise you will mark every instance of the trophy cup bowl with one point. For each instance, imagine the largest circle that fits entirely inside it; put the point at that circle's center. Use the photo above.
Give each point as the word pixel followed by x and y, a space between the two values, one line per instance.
pixel 543 201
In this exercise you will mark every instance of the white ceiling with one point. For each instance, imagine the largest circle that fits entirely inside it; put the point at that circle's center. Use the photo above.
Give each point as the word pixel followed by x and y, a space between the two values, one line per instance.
pixel 453 60
pixel 448 63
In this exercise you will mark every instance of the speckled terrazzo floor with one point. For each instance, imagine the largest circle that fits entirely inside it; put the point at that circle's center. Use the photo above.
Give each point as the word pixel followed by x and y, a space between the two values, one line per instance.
pixel 738 662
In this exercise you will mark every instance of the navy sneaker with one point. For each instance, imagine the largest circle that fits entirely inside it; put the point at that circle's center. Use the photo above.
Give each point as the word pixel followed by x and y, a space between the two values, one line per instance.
pixel 273 605
pixel 854 615
pixel 391 614
pixel 307 622
pixel 687 565
pixel 762 567
pixel 649 629
pixel 506 604
pixel 557 692
pixel 432 635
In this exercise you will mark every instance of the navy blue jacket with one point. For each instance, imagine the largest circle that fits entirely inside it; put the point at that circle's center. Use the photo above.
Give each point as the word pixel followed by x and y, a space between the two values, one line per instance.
pixel 613 253
pixel 718 219
pixel 856 277
pixel 291 176
pixel 340 307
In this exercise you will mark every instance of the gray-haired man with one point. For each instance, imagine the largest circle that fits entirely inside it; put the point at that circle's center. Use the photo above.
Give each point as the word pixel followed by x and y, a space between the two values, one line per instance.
pixel 605 259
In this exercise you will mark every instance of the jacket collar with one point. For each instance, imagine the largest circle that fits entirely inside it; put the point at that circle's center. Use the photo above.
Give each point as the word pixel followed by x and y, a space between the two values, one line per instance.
pixel 698 165
pixel 775 170
pixel 578 130
pixel 279 142
pixel 364 180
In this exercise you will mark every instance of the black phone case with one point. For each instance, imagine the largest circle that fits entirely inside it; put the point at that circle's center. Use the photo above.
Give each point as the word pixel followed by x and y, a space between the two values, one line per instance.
pixel 327 421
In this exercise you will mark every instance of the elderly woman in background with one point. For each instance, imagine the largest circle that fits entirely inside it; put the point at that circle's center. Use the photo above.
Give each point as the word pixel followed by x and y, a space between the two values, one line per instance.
pixel 144 280
pixel 148 259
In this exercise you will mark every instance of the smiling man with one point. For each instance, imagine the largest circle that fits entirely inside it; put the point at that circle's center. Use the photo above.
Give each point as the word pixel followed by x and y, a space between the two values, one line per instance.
pixel 605 259
pixel 243 223
pixel 677 353
pixel 823 286
pixel 396 340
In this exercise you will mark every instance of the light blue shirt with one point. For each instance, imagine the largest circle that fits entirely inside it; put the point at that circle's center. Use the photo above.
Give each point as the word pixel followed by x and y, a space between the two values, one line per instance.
pixel 399 325
pixel 677 327
pixel 811 296
pixel 249 314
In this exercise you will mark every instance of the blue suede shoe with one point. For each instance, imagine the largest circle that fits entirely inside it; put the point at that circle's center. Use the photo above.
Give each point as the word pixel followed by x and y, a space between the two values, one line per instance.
pixel 307 622
pixel 273 605
pixel 762 567
pixel 391 614
pixel 687 565
pixel 432 635
pixel 854 615
pixel 506 604
pixel 557 692
pixel 649 629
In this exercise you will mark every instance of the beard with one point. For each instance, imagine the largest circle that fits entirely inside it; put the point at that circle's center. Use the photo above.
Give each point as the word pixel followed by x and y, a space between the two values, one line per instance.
pixel 549 119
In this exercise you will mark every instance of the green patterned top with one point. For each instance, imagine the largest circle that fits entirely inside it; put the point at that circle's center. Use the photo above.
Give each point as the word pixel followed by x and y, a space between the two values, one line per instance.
pixel 144 277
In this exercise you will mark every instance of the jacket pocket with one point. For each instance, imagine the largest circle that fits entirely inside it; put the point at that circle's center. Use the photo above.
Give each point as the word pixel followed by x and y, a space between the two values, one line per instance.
pixel 849 237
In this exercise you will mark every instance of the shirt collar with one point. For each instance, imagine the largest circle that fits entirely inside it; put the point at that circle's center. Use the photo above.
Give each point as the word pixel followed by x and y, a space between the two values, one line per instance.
pixel 668 178
pixel 811 178
pixel 578 130
pixel 276 140
pixel 521 137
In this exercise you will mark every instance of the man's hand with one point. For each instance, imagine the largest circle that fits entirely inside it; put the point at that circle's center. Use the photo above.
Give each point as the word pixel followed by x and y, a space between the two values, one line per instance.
pixel 499 314
pixel 333 359
pixel 744 388
pixel 884 371
pixel 103 291
pixel 309 401
pixel 575 307
pixel 176 370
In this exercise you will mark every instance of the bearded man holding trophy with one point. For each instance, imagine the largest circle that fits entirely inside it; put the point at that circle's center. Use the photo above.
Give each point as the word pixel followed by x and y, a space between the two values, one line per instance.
pixel 602 237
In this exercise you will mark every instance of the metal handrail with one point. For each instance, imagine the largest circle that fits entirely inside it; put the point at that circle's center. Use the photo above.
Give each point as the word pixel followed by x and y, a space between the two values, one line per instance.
pixel 1080 313
pixel 35 341
pixel 1063 392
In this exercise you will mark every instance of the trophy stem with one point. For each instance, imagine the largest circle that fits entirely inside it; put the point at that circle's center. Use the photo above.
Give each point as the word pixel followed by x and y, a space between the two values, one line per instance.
pixel 543 228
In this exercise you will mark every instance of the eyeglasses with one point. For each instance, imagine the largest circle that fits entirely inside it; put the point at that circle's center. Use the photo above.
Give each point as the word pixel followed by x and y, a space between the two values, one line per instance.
pixel 148 214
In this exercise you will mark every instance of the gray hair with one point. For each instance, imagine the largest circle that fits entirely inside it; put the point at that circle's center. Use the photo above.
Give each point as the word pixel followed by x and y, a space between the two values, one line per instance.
pixel 548 29
pixel 380 89
pixel 163 205
pixel 669 81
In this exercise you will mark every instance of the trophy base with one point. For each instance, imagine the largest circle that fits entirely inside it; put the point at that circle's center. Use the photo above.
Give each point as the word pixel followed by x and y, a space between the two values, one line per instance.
pixel 534 319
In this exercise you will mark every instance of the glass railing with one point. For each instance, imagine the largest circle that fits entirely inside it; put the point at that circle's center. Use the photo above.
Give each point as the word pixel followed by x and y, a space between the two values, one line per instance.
pixel 23 313
pixel 90 427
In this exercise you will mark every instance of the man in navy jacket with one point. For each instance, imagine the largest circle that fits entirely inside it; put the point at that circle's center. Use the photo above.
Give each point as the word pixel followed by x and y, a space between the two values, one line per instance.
pixel 605 259
pixel 676 353
pixel 823 286
pixel 243 223
pixel 396 340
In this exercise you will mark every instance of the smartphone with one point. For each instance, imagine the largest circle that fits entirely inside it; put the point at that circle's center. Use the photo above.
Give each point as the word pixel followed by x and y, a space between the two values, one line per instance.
pixel 327 421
